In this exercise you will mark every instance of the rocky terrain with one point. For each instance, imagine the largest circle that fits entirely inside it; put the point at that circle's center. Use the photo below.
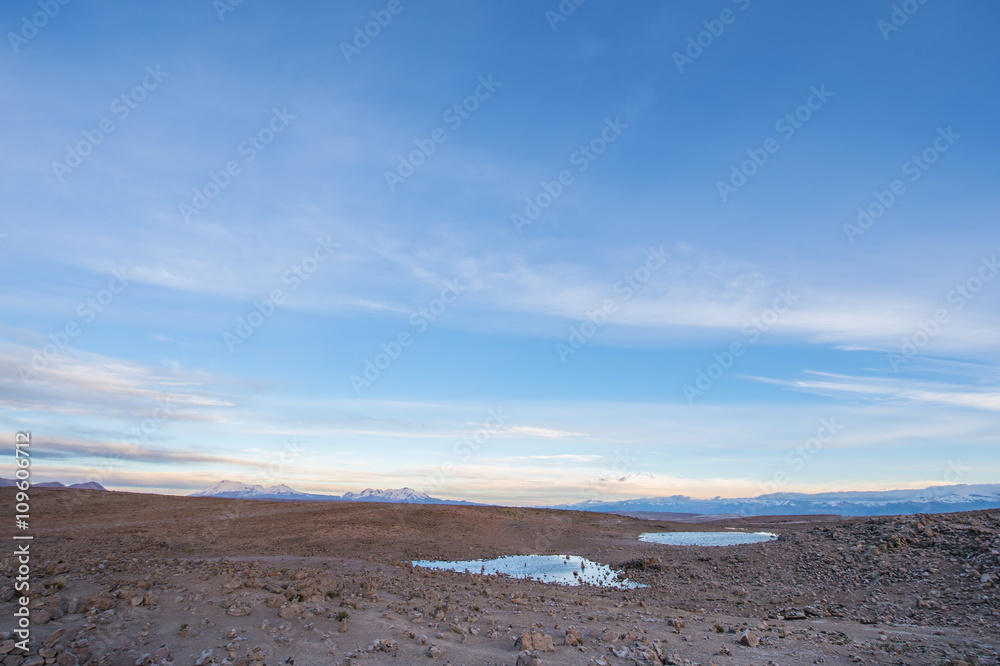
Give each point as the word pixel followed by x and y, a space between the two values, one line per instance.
pixel 123 578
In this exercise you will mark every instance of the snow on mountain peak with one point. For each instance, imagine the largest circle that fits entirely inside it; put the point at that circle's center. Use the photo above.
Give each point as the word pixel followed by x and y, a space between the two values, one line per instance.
pixel 391 495
pixel 240 489
pixel 227 487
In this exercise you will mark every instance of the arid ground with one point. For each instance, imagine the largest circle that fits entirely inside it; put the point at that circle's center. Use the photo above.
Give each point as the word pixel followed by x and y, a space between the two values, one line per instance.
pixel 122 578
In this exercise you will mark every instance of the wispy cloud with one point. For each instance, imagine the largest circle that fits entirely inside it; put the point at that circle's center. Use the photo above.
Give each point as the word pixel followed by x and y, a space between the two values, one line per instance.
pixel 889 389
pixel 544 433
pixel 75 382
pixel 563 456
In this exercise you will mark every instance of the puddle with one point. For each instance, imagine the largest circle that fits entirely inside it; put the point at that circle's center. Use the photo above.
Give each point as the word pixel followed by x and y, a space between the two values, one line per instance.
pixel 564 569
pixel 707 538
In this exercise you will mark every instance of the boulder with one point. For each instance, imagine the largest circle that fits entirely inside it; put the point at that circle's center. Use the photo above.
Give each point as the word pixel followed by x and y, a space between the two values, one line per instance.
pixel 535 640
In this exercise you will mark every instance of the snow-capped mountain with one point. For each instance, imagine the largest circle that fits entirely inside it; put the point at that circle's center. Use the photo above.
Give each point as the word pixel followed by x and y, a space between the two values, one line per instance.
pixel 936 499
pixel 402 495
pixel 238 490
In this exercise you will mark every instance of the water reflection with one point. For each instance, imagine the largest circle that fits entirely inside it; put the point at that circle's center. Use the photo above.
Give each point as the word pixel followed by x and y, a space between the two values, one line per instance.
pixel 564 569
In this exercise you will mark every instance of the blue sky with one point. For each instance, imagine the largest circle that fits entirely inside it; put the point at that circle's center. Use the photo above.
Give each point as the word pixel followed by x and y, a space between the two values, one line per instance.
pixel 721 248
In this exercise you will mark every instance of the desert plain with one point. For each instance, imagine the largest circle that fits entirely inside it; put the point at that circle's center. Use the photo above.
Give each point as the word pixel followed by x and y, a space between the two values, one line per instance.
pixel 124 578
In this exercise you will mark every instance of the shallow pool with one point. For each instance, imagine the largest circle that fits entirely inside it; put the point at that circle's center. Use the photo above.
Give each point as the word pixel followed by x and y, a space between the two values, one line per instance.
pixel 564 569
pixel 707 538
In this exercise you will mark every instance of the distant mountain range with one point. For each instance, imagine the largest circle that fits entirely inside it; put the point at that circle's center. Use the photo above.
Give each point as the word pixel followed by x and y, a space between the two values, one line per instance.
pixel 238 490
pixel 90 485
pixel 936 499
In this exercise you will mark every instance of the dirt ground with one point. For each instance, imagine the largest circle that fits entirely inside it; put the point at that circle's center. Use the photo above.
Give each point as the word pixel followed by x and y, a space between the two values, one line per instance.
pixel 121 578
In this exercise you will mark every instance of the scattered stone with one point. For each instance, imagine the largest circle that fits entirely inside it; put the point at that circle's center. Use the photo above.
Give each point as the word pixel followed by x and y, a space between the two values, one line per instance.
pixel 528 658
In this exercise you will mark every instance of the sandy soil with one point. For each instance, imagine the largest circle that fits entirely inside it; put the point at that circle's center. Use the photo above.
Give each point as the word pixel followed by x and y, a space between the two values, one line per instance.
pixel 122 578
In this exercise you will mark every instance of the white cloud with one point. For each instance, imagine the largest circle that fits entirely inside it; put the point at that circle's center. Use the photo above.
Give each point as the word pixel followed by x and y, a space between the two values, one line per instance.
pixel 885 388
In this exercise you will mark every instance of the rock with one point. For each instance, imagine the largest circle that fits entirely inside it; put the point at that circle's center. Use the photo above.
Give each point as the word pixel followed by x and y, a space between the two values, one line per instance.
pixel 144 660
pixel 535 640
pixel 289 612
pixel 101 602
pixel 433 652
pixel 749 639
pixel 31 661
pixel 238 610
pixel 528 658
pixel 54 637
pixel 69 659
pixel 204 659
pixel 573 637
pixel 42 616
pixel 161 654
